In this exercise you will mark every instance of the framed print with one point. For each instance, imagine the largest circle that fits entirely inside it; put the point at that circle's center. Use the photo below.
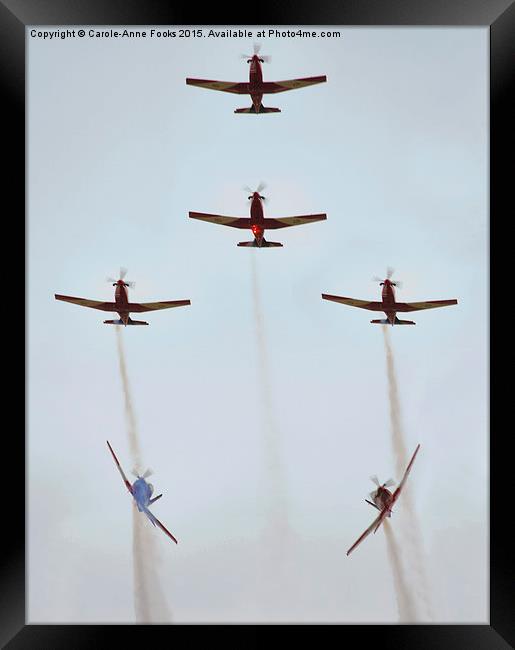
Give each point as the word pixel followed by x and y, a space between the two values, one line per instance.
pixel 258 296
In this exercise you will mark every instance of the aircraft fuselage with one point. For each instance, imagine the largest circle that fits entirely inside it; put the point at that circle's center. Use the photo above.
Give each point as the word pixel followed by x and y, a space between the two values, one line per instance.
pixel 255 82
pixel 257 218
pixel 121 299
pixel 383 498
pixel 142 492
pixel 388 298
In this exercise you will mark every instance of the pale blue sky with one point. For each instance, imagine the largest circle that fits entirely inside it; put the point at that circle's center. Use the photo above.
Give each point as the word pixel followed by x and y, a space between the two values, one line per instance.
pixel 394 149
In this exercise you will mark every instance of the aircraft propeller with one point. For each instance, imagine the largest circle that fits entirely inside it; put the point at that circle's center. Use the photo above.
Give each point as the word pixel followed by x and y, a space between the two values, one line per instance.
pixel 256 49
pixel 147 473
pixel 123 273
pixel 389 272
pixel 258 189
pixel 388 483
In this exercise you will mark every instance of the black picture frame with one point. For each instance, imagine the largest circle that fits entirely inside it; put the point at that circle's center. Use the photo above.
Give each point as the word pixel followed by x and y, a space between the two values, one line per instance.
pixel 499 16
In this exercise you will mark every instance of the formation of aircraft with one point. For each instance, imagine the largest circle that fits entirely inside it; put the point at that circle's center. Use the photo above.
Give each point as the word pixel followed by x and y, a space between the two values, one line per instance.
pixel 141 492
pixel 256 87
pixel 257 222
pixel 383 500
pixel 388 304
pixel 121 303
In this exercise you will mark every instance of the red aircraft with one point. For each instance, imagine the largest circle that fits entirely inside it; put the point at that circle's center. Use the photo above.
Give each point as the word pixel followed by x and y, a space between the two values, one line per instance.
pixel 257 222
pixel 256 87
pixel 383 500
pixel 388 303
pixel 121 303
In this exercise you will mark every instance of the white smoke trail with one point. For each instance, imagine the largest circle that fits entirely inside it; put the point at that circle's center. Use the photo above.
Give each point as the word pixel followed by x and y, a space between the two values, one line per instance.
pixel 132 431
pixel 413 548
pixel 405 602
pixel 277 532
pixel 149 600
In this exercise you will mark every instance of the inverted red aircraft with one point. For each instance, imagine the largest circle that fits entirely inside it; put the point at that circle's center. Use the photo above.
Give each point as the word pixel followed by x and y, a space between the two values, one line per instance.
pixel 257 222
pixel 388 303
pixel 256 87
pixel 383 500
pixel 121 303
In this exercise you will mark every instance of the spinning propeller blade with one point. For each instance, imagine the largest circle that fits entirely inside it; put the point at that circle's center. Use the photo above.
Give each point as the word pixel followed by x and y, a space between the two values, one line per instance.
pixel 123 273
pixel 258 189
pixel 256 49
pixel 389 273
pixel 388 483
pixel 147 473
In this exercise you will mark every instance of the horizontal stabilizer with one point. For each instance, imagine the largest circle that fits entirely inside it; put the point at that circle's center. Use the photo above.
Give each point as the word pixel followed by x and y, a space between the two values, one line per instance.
pixel 155 498
pixel 120 322
pixel 262 109
pixel 136 322
pixel 264 244
pixel 385 321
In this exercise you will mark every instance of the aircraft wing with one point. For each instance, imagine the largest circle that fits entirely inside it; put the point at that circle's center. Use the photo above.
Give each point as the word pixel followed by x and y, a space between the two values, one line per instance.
pixel 408 469
pixel 165 530
pixel 127 484
pixel 291 84
pixel 285 222
pixel 234 222
pixel 373 527
pixel 156 522
pixel 353 302
pixel 154 306
pixel 224 86
pixel 84 302
pixel 430 304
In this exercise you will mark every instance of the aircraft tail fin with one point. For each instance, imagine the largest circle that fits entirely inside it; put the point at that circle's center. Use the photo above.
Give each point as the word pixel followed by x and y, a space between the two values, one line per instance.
pixel 262 109
pixel 264 244
pixel 385 321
